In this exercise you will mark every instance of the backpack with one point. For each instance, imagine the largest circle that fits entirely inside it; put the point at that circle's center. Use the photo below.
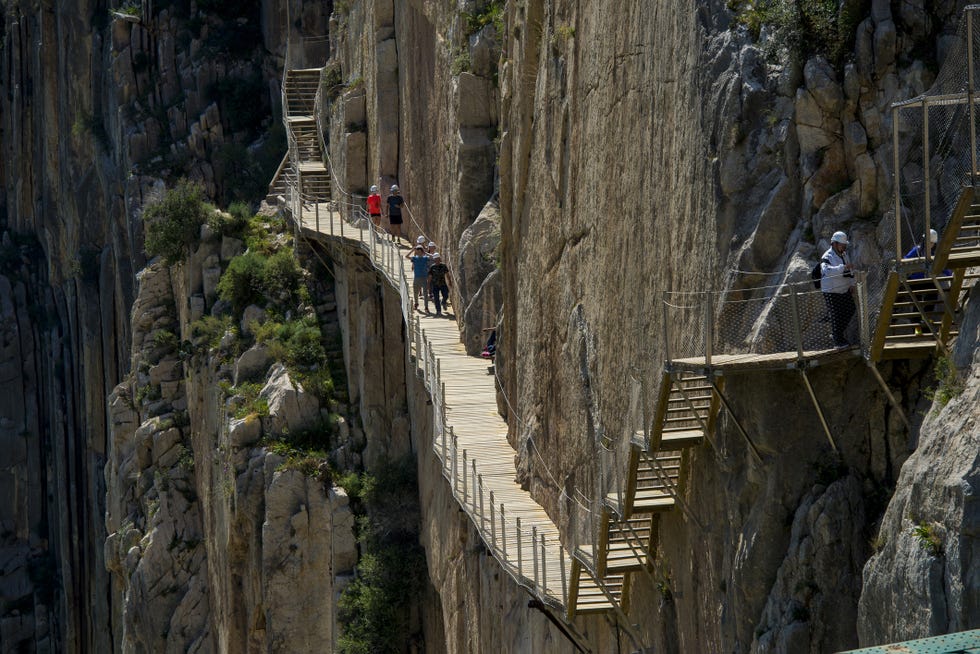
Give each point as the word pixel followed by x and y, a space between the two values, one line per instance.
pixel 817 273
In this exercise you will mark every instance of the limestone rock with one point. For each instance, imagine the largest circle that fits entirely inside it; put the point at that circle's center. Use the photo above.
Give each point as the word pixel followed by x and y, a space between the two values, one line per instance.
pixel 253 364
pixel 291 409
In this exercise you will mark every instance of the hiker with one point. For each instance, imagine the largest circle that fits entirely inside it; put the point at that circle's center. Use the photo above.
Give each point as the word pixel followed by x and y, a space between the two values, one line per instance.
pixel 439 282
pixel 420 281
pixel 429 251
pixel 395 202
pixel 491 349
pixel 837 285
pixel 374 206
pixel 918 251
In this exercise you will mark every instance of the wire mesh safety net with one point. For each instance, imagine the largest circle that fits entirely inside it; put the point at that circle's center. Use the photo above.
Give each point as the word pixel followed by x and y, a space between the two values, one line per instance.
pixel 936 142
pixel 745 323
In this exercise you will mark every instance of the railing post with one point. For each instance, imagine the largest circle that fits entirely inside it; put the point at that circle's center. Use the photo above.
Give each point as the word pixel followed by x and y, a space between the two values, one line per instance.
pixel 544 568
pixel 564 577
pixel 425 341
pixel 520 558
pixel 534 551
pixel 479 484
pixel 897 171
pixel 442 402
pixel 464 478
pixel 473 479
pixel 666 332
pixel 709 326
pixel 863 320
pixel 795 310
pixel 455 473
pixel 493 525
pixel 503 533
pixel 926 181
pixel 970 98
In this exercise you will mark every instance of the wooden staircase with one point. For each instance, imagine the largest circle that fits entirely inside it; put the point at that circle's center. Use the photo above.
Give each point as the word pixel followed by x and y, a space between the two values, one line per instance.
pixel 920 308
pixel 959 246
pixel 308 170
pixel 629 526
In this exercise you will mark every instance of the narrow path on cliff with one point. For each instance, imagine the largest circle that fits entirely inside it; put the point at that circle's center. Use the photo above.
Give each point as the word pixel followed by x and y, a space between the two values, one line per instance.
pixel 471 437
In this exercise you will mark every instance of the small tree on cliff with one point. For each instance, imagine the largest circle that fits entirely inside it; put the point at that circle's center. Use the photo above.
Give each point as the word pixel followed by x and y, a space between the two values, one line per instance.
pixel 174 223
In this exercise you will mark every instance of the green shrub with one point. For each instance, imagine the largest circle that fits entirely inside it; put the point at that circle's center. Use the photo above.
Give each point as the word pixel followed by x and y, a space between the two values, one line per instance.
pixel 803 28
pixel 928 539
pixel 251 404
pixel 233 223
pixel 209 330
pixel 242 283
pixel 375 609
pixel 281 278
pixel 174 223
pixel 949 384
pixel 492 13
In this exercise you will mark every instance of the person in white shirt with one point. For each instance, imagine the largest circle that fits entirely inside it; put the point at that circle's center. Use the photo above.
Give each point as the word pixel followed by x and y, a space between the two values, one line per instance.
pixel 837 285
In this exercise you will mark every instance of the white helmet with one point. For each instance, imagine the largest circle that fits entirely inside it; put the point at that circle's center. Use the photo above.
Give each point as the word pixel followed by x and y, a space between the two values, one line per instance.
pixel 431 244
pixel 839 237
pixel 420 240
pixel 933 236
pixel 374 188
pixel 394 188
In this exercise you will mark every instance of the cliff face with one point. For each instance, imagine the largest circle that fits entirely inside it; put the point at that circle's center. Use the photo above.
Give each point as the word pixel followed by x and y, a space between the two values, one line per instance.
pixel 572 160
pixel 646 148
pixel 91 100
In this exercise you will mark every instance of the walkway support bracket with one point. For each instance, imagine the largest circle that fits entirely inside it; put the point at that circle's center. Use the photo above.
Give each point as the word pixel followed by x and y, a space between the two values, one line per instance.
pixel 891 396
pixel 741 429
pixel 816 405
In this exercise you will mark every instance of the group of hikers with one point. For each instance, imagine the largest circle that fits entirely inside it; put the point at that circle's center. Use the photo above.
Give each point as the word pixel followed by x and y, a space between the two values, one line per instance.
pixel 837 283
pixel 431 275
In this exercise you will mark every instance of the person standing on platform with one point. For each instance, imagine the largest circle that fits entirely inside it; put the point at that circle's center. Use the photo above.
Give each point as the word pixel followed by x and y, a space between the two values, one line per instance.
pixel 837 285
pixel 420 280
pixel 439 282
pixel 374 206
pixel 395 202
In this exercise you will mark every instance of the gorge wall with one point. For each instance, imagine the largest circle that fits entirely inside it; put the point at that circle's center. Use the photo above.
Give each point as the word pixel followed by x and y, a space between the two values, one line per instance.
pixel 573 160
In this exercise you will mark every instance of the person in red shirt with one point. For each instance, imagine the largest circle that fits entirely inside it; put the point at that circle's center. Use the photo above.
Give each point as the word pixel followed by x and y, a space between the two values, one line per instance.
pixel 374 206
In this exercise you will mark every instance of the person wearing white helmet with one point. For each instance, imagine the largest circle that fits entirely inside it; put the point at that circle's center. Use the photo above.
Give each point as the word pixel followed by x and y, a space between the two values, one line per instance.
pixel 395 202
pixel 374 206
pixel 837 285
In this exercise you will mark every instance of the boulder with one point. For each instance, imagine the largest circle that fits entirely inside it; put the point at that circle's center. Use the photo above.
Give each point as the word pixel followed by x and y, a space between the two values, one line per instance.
pixel 252 315
pixel 230 248
pixel 253 364
pixel 291 408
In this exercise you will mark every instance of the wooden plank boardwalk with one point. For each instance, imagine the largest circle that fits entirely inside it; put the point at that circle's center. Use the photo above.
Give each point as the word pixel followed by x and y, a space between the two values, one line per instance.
pixel 470 436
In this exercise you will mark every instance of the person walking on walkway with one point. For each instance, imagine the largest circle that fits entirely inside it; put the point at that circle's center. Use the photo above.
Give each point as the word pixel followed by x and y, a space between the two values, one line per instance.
pixel 439 282
pixel 837 285
pixel 374 206
pixel 420 281
pixel 395 202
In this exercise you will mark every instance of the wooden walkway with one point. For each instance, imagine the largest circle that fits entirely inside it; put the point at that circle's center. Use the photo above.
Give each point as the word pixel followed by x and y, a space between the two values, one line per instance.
pixel 470 436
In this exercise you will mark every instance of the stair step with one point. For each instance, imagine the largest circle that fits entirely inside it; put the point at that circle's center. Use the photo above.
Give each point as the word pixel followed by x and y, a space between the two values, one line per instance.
pixel 674 439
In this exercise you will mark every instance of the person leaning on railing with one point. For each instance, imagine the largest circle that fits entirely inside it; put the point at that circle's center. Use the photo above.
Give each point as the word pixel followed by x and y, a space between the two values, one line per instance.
pixel 837 286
